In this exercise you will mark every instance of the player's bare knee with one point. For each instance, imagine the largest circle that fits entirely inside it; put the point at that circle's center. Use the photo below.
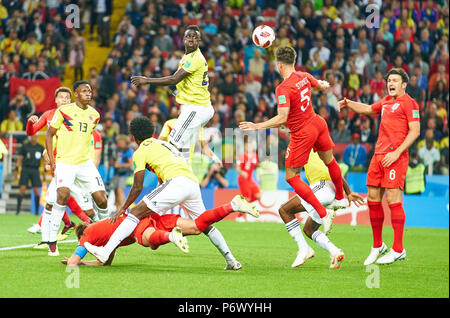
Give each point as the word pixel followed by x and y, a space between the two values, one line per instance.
pixel 90 213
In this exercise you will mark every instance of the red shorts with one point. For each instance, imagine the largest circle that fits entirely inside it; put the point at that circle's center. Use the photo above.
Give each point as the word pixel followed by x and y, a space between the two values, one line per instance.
pixel 249 188
pixel 315 136
pixel 159 222
pixel 391 177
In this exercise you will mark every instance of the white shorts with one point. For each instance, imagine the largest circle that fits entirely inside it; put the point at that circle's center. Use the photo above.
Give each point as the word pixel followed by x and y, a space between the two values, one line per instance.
pixel 84 175
pixel 176 191
pixel 325 192
pixel 83 198
pixel 187 127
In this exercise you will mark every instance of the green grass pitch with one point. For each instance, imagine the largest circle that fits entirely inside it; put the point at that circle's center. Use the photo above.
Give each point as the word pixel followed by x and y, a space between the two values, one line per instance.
pixel 265 251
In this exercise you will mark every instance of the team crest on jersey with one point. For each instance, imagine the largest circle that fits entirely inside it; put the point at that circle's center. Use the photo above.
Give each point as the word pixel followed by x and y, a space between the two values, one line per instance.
pixel 395 106
pixel 91 118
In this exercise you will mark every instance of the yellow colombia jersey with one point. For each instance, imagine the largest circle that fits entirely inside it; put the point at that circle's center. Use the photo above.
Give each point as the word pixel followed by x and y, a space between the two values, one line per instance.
pixel 193 89
pixel 161 158
pixel 315 169
pixel 75 126
pixel 167 128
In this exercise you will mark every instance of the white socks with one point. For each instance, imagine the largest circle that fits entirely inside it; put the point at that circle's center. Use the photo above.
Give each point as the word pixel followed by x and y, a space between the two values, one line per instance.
pixel 55 221
pixel 45 225
pixel 217 239
pixel 293 227
pixel 123 231
pixel 322 240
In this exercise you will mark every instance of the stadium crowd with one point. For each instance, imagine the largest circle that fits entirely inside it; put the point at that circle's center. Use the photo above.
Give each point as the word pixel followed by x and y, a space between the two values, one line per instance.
pixel 341 41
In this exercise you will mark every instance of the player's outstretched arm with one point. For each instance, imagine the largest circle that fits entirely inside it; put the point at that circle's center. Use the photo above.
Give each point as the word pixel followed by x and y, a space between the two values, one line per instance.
pixel 359 108
pixel 322 85
pixel 173 79
pixel 135 191
pixel 274 122
pixel 207 151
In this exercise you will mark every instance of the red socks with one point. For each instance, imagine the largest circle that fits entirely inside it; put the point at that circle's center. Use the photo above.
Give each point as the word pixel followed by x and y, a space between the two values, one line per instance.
pixel 75 208
pixel 397 219
pixel 305 192
pixel 336 177
pixel 398 224
pixel 376 214
pixel 66 219
pixel 158 238
pixel 211 216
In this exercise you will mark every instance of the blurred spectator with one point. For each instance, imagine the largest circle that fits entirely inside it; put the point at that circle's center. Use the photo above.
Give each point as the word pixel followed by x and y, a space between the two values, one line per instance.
pixel 444 156
pixel 415 175
pixel 441 75
pixel 414 90
pixel 440 92
pixel 367 134
pixel 315 65
pixel 11 44
pixel 341 134
pixel 215 178
pixel 103 11
pixel 366 96
pixel 123 168
pixel 429 155
pixel 29 160
pixel 257 64
pixel 22 104
pixel 431 112
pixel 76 54
pixel 33 73
pixel 11 123
pixel 349 11
pixel 376 64
pixel 31 48
pixel 324 52
pixel 355 154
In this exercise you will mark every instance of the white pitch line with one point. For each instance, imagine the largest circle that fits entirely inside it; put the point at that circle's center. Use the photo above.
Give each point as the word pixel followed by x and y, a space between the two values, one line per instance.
pixel 31 245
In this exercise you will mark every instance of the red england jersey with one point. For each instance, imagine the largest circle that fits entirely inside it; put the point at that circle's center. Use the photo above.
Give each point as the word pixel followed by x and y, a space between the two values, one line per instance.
pixel 98 233
pixel 248 163
pixel 295 92
pixel 45 119
pixel 395 116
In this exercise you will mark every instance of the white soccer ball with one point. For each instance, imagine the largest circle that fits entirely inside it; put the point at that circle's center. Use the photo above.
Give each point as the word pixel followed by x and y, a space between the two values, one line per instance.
pixel 263 36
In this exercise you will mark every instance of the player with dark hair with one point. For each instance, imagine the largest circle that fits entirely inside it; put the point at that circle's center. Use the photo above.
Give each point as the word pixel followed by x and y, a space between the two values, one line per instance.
pixel 73 166
pixel 399 127
pixel 178 186
pixel 191 81
pixel 152 231
pixel 63 96
pixel 308 130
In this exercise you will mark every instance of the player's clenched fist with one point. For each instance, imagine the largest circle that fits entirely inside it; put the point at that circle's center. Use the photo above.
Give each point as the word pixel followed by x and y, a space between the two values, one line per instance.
pixel 33 119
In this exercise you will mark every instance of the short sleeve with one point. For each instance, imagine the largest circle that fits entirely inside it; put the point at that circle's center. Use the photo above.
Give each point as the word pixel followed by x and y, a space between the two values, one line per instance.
pixel 311 79
pixel 57 119
pixel 282 95
pixel 138 161
pixel 192 63
pixel 412 111
pixel 376 107
pixel 98 144
pixel 165 131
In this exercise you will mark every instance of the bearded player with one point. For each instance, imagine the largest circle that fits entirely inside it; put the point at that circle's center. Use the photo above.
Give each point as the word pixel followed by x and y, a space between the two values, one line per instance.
pixel 308 130
pixel 399 127
pixel 191 80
